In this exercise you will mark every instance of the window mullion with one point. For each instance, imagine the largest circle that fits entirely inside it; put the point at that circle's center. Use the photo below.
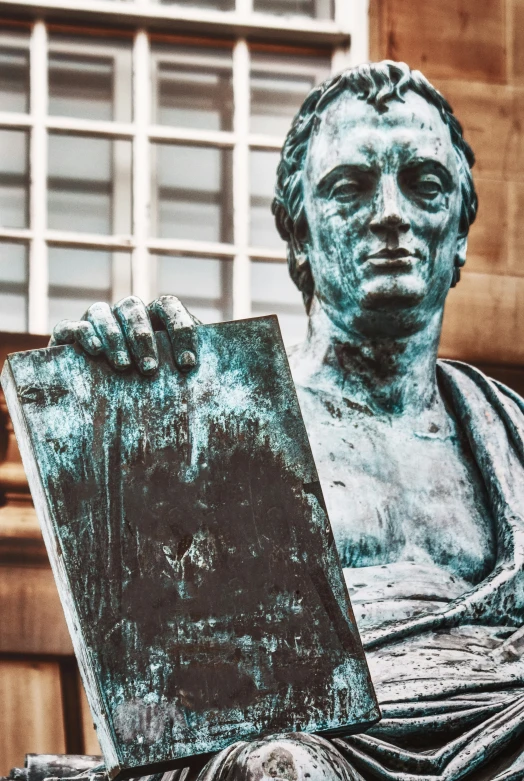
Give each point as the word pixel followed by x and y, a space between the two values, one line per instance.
pixel 141 165
pixel 121 177
pixel 38 262
pixel 241 191
pixel 244 7
pixel 353 18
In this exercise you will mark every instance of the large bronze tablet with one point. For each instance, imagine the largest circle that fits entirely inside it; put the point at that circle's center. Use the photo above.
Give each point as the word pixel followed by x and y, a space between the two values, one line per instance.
pixel 190 543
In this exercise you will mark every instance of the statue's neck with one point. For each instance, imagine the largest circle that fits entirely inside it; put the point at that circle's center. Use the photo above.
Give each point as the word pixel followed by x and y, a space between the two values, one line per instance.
pixel 391 375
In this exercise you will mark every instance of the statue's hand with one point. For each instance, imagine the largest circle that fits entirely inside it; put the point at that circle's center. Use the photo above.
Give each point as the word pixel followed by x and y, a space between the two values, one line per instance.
pixel 125 333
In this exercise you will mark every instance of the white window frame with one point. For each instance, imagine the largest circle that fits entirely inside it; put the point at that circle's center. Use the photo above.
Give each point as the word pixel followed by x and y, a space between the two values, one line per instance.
pixel 243 24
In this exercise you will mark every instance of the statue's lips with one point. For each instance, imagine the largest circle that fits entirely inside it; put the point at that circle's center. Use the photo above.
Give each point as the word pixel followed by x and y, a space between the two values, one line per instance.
pixel 393 260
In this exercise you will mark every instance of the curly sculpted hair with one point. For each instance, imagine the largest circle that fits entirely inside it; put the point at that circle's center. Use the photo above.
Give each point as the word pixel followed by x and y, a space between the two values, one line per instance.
pixel 377 83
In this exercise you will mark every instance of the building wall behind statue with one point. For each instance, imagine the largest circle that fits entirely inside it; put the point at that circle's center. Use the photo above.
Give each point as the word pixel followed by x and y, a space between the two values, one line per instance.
pixel 473 52
pixel 44 708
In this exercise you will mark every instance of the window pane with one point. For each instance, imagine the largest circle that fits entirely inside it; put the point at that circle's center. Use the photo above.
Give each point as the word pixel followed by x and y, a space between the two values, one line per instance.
pixel 13 287
pixel 204 285
pixel 89 186
pixel 263 167
pixel 273 292
pixel 192 88
pixel 14 73
pixel 13 178
pixel 79 277
pixel 314 9
pixel 217 5
pixel 90 79
pixel 193 192
pixel 278 88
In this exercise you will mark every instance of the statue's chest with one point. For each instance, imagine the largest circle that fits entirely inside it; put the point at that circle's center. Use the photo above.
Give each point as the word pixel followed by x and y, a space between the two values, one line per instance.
pixel 395 493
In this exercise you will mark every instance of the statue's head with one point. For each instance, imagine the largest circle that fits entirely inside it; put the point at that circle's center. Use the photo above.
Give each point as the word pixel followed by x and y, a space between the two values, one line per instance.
pixel 375 197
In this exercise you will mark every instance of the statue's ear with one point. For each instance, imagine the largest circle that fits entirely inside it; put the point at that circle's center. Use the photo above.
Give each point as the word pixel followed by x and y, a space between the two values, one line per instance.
pixel 462 246
pixel 298 255
pixel 300 252
pixel 299 241
pixel 459 259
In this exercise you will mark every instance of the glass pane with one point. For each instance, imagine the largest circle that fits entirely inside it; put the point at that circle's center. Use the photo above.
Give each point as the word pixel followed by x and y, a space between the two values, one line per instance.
pixel 273 293
pixel 14 73
pixel 217 5
pixel 193 88
pixel 89 185
pixel 13 287
pixel 204 285
pixel 14 178
pixel 90 79
pixel 263 167
pixel 79 277
pixel 314 9
pixel 278 88
pixel 193 192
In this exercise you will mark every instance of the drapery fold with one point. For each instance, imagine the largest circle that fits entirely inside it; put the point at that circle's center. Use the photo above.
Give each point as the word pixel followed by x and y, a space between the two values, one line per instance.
pixel 450 680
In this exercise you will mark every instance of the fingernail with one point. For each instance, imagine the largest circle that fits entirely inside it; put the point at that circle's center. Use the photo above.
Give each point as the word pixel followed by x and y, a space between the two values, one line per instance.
pixel 122 359
pixel 148 365
pixel 186 360
pixel 96 344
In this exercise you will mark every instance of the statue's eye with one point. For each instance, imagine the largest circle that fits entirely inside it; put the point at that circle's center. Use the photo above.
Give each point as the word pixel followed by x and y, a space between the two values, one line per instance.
pixel 430 185
pixel 427 186
pixel 347 189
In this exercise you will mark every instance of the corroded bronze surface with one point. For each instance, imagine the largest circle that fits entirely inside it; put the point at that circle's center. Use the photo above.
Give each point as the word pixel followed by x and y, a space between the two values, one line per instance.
pixel 188 534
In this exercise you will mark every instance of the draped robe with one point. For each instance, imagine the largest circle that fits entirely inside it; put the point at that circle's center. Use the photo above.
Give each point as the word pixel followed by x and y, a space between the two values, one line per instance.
pixel 446 658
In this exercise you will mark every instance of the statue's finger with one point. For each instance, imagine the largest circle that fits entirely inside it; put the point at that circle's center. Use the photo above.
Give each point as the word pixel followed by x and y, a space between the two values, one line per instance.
pixel 132 316
pixel 110 334
pixel 79 331
pixel 169 313
pixel 62 333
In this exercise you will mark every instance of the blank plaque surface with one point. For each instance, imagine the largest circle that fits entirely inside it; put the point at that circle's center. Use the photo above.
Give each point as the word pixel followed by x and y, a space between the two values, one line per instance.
pixel 188 535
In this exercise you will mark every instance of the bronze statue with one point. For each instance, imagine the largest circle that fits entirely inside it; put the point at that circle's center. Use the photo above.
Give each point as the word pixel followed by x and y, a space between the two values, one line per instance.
pixel 421 461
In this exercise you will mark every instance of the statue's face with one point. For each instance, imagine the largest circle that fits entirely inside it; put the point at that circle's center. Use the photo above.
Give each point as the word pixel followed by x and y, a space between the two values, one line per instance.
pixel 382 202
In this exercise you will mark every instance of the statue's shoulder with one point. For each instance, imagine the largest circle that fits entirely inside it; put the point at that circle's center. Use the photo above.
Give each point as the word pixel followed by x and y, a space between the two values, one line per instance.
pixel 494 390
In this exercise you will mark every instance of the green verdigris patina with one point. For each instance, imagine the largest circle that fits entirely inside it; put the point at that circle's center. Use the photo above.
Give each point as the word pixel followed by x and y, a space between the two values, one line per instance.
pixel 187 531
pixel 421 461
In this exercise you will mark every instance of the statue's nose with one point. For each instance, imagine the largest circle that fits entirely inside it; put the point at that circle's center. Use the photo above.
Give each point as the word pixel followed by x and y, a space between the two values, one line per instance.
pixel 388 216
pixel 388 223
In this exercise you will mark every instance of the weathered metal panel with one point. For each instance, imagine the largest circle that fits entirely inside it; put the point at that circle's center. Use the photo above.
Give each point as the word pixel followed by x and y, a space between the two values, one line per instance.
pixel 188 534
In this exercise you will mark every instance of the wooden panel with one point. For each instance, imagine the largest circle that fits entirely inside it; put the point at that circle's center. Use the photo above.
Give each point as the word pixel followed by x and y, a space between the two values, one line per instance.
pixel 91 744
pixel 516 229
pixel 19 521
pixel 31 713
pixel 487 244
pixel 13 343
pixel 32 617
pixel 517 40
pixel 511 376
pixel 484 320
pixel 445 38
pixel 493 121
pixel 377 41
pixel 20 536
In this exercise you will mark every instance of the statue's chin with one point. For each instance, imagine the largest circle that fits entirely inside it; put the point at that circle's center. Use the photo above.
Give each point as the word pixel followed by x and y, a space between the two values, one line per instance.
pixel 393 308
pixel 390 306
pixel 393 293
